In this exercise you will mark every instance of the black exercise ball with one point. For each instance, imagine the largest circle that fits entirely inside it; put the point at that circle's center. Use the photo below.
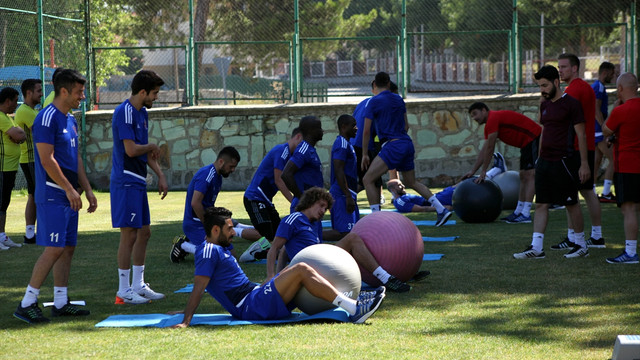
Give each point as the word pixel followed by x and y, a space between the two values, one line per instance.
pixel 477 203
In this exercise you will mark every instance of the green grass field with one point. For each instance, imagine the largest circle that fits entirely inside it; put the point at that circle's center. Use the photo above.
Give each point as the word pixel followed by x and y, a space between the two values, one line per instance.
pixel 478 303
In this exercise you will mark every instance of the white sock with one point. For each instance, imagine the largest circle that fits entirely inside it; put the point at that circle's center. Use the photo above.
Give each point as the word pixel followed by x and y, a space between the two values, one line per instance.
pixel 519 207
pixel 381 274
pixel 596 232
pixel 630 247
pixel 137 280
pixel 537 241
pixel 526 208
pixel 238 230
pixel 123 279
pixel 243 226
pixel 433 200
pixel 374 207
pixel 59 296
pixel 579 239
pixel 492 173
pixel 30 231
pixel 606 189
pixel 30 296
pixel 346 303
pixel 570 234
pixel 188 247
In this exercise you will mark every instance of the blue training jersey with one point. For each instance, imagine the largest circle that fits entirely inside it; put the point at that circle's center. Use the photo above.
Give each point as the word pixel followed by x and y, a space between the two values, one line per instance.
pixel 358 114
pixel 128 123
pixel 601 94
pixel 386 110
pixel 309 172
pixel 228 284
pixel 298 231
pixel 263 185
pixel 207 181
pixel 343 150
pixel 53 127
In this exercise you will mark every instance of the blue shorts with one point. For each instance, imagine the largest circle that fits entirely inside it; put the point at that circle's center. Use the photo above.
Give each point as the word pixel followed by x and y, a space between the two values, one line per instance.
pixel 446 195
pixel 341 220
pixel 57 225
pixel 129 208
pixel 264 303
pixel 398 154
pixel 599 135
pixel 195 234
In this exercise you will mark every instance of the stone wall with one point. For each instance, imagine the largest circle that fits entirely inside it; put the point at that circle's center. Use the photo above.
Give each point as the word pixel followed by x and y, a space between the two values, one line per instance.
pixel 447 141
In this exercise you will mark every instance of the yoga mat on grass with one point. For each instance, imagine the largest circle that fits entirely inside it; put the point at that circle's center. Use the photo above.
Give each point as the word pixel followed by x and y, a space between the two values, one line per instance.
pixel 165 320
pixel 443 238
pixel 432 257
pixel 327 223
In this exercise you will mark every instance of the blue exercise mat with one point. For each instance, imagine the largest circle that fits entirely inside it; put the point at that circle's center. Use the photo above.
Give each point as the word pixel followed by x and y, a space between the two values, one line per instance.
pixel 432 257
pixel 164 320
pixel 327 223
pixel 443 238
pixel 187 289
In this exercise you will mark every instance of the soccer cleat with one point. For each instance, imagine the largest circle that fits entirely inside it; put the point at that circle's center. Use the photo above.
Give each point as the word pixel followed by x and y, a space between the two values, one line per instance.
pixel 9 243
pixel 69 310
pixel 257 250
pixel 608 198
pixel 365 309
pixel 146 292
pixel 498 162
pixel 577 251
pixel 556 207
pixel 30 314
pixel 420 275
pixel 563 245
pixel 510 217
pixel 395 285
pixel 623 258
pixel 370 294
pixel 177 253
pixel 443 217
pixel 529 253
pixel 130 297
pixel 28 241
pixel 596 243
pixel 520 219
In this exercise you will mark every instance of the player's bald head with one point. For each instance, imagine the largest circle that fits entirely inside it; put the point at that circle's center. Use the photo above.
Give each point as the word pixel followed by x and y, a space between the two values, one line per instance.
pixel 628 81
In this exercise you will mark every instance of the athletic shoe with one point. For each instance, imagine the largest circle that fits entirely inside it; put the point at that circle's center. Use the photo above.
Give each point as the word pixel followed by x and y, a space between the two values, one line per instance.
pixel 556 207
pixel 9 243
pixel 520 219
pixel 510 217
pixel 577 251
pixel 177 253
pixel 608 198
pixel 370 294
pixel 443 217
pixel 2 247
pixel 31 314
pixel 623 258
pixel 255 251
pixel 593 243
pixel 420 275
pixel 28 241
pixel 498 162
pixel 366 308
pixel 564 245
pixel 146 292
pixel 382 199
pixel 395 285
pixel 529 253
pixel 69 310
pixel 130 297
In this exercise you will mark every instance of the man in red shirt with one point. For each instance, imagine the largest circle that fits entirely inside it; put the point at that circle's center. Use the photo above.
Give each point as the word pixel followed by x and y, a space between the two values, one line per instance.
pixel 624 125
pixel 516 130
pixel 569 67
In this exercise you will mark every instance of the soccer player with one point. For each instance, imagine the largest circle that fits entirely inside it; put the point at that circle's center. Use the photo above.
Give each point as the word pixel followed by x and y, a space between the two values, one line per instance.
pixel 605 75
pixel 559 166
pixel 132 152
pixel 11 137
pixel 405 203
pixel 297 231
pixel 219 273
pixel 386 113
pixel 25 115
pixel 624 126
pixel 59 175
pixel 516 130
pixel 49 99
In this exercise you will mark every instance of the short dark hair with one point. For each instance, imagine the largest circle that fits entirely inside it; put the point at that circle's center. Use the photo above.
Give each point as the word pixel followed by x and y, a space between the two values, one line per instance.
pixel 229 152
pixel 606 66
pixel 215 216
pixel 8 93
pixel 345 120
pixel 312 196
pixel 478 106
pixel 573 59
pixel 393 87
pixel 29 85
pixel 295 131
pixel 307 123
pixel 382 79
pixel 55 73
pixel 548 72
pixel 67 79
pixel 145 80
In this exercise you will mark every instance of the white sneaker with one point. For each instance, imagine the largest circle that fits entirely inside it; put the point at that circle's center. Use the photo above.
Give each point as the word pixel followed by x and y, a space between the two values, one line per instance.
pixel 130 297
pixel 9 243
pixel 2 247
pixel 146 293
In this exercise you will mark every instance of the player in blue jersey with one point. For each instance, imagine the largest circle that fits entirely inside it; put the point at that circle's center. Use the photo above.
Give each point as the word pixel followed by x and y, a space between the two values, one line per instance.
pixel 298 230
pixel 605 75
pixel 386 113
pixel 132 152
pixel 405 203
pixel 218 272
pixel 59 176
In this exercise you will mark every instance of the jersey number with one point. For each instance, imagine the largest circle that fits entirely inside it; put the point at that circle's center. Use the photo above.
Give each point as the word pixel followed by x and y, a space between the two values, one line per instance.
pixel 73 142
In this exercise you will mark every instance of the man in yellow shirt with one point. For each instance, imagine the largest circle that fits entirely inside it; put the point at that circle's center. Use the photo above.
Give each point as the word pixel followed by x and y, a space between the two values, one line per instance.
pixel 26 113
pixel 11 137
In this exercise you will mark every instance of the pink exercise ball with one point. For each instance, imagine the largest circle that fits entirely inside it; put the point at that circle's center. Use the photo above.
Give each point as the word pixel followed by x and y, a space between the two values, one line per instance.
pixel 395 242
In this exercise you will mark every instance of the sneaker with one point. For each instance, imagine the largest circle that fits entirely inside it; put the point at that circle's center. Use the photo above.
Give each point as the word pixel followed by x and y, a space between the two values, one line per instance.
pixel 255 251
pixel 608 198
pixel 420 275
pixel 31 314
pixel 395 285
pixel 563 245
pixel 593 243
pixel 520 219
pixel 510 217
pixel 498 162
pixel 623 258
pixel 529 253
pixel 146 292
pixel 370 294
pixel 577 251
pixel 556 207
pixel 69 310
pixel 365 309
pixel 2 247
pixel 382 199
pixel 443 217
pixel 177 254
pixel 130 297
pixel 29 241
pixel 9 243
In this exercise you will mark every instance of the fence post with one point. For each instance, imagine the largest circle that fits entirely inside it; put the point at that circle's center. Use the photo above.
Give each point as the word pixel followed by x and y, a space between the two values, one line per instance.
pixel 632 51
pixel 403 63
pixel 88 57
pixel 514 58
pixel 189 87
pixel 41 45
pixel 295 72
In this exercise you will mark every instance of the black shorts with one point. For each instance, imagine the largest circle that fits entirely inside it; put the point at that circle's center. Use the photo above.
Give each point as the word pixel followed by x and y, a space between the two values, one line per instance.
pixel 372 154
pixel 557 181
pixel 264 217
pixel 627 187
pixel 529 155
pixel 7 181
pixel 588 185
pixel 29 172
